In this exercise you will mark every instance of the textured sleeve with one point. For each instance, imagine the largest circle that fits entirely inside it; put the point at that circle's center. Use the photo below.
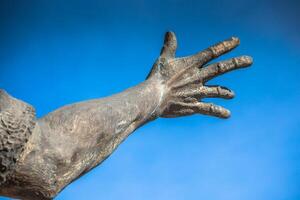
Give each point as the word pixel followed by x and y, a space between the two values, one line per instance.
pixel 17 120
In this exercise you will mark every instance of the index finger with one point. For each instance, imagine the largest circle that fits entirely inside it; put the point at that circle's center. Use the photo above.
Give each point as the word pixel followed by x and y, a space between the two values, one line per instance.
pixel 214 51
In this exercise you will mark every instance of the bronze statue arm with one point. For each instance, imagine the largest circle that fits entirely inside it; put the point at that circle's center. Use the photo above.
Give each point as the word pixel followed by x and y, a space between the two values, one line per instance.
pixel 72 140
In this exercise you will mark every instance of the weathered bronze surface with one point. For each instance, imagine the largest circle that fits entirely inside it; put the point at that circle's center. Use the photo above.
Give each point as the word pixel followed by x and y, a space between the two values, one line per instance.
pixel 39 157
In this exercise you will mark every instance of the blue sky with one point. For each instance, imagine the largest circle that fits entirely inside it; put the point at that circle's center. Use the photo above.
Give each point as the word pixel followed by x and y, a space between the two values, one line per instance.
pixel 54 53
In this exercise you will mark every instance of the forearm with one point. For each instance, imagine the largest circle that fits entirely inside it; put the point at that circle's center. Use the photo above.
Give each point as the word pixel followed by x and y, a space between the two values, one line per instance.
pixel 93 129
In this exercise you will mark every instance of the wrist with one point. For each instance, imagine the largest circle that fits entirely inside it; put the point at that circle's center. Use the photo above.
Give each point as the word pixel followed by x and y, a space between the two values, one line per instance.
pixel 155 86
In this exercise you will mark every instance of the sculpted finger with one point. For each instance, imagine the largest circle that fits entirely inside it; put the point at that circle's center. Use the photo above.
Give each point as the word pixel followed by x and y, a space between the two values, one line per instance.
pixel 219 68
pixel 211 109
pixel 199 92
pixel 216 92
pixel 170 45
pixel 214 51
pixel 183 109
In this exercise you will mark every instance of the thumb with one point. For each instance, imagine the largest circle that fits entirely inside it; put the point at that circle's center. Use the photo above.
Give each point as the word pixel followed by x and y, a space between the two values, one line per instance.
pixel 170 45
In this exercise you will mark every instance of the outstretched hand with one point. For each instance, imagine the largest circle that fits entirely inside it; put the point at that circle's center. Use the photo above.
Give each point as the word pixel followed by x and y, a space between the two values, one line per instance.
pixel 183 79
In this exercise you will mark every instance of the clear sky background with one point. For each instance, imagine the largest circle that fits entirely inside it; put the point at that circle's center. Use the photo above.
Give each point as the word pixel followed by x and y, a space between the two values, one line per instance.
pixel 54 53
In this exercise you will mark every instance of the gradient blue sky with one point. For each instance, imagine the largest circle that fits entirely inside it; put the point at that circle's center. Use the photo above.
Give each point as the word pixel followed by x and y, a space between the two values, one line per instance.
pixel 54 53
